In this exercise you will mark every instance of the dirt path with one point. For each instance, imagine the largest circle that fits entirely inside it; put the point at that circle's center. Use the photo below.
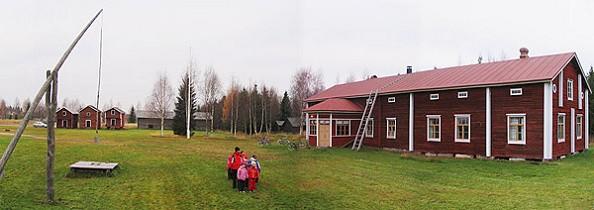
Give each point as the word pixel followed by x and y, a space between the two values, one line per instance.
pixel 24 135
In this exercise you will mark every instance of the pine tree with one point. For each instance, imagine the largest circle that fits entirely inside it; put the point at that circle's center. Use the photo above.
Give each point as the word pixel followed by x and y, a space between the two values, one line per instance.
pixel 180 120
pixel 285 107
pixel 590 79
pixel 132 115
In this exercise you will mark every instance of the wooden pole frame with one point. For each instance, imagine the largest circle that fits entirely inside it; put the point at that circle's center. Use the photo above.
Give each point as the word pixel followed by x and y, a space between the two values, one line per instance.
pixel 42 91
pixel 51 102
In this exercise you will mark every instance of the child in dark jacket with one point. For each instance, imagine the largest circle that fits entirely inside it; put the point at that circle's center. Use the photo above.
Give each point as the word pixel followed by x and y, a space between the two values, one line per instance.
pixel 253 175
pixel 242 178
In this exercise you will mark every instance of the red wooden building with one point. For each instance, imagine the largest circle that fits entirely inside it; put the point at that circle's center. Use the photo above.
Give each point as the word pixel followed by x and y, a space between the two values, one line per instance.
pixel 115 118
pixel 88 117
pixel 531 108
pixel 66 118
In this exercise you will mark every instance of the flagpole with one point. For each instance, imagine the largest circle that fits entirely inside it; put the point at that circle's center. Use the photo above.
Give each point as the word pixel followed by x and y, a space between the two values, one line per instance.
pixel 188 102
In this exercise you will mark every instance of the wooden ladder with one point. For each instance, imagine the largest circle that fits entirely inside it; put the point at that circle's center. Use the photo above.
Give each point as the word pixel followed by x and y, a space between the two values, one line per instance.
pixel 367 112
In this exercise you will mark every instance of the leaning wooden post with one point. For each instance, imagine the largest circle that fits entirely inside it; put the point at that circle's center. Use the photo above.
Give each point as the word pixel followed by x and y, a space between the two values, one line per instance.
pixel 40 94
pixel 51 101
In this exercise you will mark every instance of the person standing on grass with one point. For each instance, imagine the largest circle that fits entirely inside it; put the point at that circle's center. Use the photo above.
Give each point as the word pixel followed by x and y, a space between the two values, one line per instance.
pixel 242 176
pixel 253 159
pixel 229 170
pixel 253 175
pixel 236 161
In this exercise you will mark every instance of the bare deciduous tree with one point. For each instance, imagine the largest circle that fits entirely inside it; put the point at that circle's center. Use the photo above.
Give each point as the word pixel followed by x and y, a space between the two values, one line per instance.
pixel 230 106
pixel 72 104
pixel 161 99
pixel 3 109
pixel 210 92
pixel 304 84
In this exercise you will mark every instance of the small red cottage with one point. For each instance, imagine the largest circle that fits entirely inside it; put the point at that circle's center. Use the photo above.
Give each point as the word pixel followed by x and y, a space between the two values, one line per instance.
pixel 530 107
pixel 115 118
pixel 88 117
pixel 66 118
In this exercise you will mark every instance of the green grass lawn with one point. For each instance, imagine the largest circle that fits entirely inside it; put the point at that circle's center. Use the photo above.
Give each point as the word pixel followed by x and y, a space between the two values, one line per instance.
pixel 174 173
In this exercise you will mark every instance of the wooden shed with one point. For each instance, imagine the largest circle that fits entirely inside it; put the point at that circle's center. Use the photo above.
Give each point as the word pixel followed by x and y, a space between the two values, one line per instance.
pixel 66 118
pixel 115 118
pixel 88 117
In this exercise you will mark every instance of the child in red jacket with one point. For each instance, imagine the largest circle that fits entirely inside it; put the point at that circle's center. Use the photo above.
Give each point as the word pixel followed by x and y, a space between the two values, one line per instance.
pixel 253 175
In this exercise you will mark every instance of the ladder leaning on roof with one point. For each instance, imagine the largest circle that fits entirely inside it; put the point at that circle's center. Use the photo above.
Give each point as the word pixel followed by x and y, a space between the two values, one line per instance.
pixel 367 112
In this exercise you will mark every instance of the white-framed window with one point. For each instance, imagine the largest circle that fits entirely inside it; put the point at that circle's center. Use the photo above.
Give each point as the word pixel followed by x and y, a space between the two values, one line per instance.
pixel 369 130
pixel 391 128
pixel 112 112
pixel 516 128
pixel 462 128
pixel 570 89
pixel 63 113
pixel 343 127
pixel 88 114
pixel 313 127
pixel 560 127
pixel 434 96
pixel 463 94
pixel 434 128
pixel 554 88
pixel 579 126
pixel 515 91
pixel 391 99
pixel 87 123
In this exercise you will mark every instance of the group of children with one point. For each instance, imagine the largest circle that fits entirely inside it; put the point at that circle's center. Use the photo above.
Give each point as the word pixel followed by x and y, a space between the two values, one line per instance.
pixel 243 171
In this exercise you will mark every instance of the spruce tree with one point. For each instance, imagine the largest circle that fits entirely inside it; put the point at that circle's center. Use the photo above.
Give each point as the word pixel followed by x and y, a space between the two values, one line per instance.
pixel 285 109
pixel 180 120
pixel 132 115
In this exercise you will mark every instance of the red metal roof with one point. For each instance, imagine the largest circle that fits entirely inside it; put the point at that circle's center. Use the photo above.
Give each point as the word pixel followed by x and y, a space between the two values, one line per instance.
pixel 335 105
pixel 530 69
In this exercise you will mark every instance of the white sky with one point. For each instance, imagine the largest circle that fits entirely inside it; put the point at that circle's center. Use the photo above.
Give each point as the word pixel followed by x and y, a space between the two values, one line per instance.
pixel 266 41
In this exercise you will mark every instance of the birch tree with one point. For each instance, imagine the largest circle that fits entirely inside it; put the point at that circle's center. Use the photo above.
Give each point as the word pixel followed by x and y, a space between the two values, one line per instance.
pixel 210 92
pixel 161 99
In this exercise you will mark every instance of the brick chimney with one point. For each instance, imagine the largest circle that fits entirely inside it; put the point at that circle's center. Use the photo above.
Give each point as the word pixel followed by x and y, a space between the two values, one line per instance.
pixel 523 53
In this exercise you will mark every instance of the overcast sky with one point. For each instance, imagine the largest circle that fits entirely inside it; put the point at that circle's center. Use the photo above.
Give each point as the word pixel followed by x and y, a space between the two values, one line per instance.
pixel 266 41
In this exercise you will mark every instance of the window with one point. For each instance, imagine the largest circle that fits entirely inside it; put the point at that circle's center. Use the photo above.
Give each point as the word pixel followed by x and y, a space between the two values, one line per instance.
pixel 570 90
pixel 343 128
pixel 462 125
pixel 87 123
pixel 554 88
pixel 463 94
pixel 579 126
pixel 112 112
pixel 391 99
pixel 88 114
pixel 369 130
pixel 434 128
pixel 516 128
pixel 313 128
pixel 561 127
pixel 515 91
pixel 63 113
pixel 434 96
pixel 391 128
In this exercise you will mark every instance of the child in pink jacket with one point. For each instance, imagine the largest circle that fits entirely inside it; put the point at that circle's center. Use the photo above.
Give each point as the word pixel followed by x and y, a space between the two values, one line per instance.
pixel 242 177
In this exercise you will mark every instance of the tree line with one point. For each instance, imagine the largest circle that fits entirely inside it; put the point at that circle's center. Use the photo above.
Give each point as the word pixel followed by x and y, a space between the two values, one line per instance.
pixel 251 109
